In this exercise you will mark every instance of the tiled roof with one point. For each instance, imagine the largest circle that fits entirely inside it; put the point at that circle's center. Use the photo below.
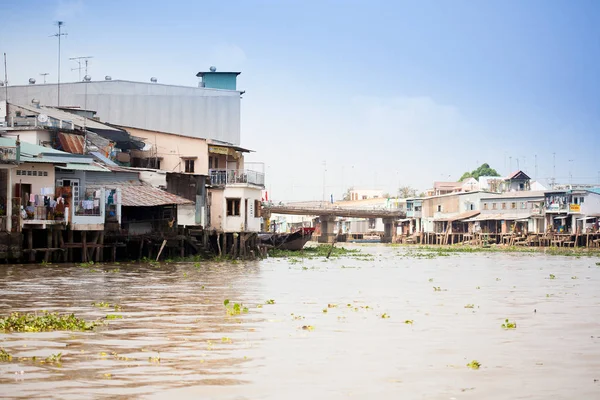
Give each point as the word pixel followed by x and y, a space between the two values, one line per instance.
pixel 138 194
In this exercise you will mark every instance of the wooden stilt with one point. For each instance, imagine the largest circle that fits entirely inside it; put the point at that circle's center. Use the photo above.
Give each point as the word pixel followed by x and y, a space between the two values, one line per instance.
pixel 219 244
pixel 101 249
pixel 30 245
pixel 83 246
pixel 141 248
pixel 70 249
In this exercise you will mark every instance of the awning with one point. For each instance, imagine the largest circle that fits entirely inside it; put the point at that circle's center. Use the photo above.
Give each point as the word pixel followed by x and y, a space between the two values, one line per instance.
pixel 585 218
pixel 83 167
pixel 459 217
pixel 563 217
pixel 404 220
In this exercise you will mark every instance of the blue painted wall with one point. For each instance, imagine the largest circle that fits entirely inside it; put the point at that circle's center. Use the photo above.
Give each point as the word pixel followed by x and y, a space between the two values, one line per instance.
pixel 220 81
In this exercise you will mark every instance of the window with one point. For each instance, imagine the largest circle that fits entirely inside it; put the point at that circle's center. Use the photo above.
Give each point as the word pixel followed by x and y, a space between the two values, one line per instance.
pixel 513 205
pixel 485 206
pixel 493 206
pixel 216 163
pixel 45 173
pixel 581 200
pixel 233 207
pixel 439 208
pixel 210 162
pixel 189 167
pixel 18 172
pixel 364 197
pixel 575 199
pixel 504 206
pixel 257 207
pixel 35 173
pixel 472 207
pixel 523 205
pixel 417 208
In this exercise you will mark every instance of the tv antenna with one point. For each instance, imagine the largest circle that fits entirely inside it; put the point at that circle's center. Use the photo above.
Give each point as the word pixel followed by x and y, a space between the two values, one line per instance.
pixel 59 35
pixel 44 75
pixel 80 61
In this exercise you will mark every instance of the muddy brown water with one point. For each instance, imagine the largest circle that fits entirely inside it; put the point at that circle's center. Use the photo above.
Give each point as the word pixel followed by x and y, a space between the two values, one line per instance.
pixel 175 339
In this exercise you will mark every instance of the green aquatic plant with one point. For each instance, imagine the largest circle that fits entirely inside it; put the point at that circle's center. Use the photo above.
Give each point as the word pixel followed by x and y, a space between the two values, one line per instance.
pixel 101 304
pixel 324 311
pixel 235 308
pixel 4 356
pixel 308 328
pixel 409 322
pixel 474 364
pixel 430 279
pixel 54 358
pixel 385 315
pixel 509 325
pixel 478 287
pixel 573 277
pixel 270 301
pixel 552 276
pixel 44 322
pixel 114 316
pixel 155 360
pixel 470 306
pixel 437 289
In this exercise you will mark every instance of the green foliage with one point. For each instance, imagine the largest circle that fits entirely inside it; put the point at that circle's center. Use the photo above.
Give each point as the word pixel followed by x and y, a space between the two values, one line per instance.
pixel 509 325
pixel 470 306
pixel 4 356
pixel 474 364
pixel 270 301
pixel 44 322
pixel 483 170
pixel 114 316
pixel 552 276
pixel 54 358
pixel 315 252
pixel 385 315
pixel 101 304
pixel 235 308
pixel 409 322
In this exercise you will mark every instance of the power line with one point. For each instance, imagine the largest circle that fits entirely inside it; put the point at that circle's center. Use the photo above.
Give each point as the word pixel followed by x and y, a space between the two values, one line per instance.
pixel 80 60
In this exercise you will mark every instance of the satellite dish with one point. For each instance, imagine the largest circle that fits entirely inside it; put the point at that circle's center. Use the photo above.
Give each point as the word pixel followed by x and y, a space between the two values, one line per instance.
pixel 42 118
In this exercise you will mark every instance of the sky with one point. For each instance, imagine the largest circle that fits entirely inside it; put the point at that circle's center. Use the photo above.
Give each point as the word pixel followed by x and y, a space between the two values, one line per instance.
pixel 365 94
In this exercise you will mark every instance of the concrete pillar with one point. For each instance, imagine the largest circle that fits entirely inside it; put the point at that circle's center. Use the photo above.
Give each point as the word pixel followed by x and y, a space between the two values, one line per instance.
pixel 328 232
pixel 389 230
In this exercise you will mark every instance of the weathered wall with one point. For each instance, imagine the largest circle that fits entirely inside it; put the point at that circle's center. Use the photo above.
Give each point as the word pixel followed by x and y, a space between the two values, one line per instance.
pixel 171 148
pixel 37 182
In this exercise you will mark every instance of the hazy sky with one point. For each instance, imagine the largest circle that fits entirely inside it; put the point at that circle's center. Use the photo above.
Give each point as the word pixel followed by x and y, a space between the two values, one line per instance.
pixel 386 93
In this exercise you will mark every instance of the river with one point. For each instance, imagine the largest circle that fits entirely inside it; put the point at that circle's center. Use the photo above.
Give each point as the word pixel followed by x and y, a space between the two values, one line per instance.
pixel 390 324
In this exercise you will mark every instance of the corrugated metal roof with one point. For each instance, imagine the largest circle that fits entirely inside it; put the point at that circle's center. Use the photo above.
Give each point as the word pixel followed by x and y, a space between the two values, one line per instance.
pixel 499 217
pixel 71 143
pixel 138 194
pixel 83 167
pixel 103 158
pixel 67 116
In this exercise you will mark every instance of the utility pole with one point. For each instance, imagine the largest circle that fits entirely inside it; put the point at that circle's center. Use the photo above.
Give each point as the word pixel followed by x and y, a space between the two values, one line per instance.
pixel 59 35
pixel 44 75
pixel 571 173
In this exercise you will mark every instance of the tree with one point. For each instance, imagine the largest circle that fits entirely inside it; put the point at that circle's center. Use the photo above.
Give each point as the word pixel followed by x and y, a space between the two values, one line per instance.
pixel 407 191
pixel 483 170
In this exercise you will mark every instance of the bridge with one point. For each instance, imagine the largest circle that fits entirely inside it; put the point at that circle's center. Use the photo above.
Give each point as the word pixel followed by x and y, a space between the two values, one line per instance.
pixel 328 214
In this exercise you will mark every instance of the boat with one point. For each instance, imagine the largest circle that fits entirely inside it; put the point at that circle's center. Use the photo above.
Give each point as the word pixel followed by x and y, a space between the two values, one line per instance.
pixel 287 241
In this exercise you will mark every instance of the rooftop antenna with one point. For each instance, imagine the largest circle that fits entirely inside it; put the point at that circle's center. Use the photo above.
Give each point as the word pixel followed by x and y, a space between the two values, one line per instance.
pixel 44 75
pixel 58 35
pixel 80 60
pixel 571 174
pixel 5 80
pixel 536 171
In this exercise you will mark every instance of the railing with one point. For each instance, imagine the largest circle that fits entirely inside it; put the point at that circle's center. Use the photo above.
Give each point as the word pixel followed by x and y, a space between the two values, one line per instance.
pixel 221 177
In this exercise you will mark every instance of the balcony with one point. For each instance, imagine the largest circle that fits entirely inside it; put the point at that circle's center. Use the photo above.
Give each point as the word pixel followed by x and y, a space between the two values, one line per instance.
pixel 223 177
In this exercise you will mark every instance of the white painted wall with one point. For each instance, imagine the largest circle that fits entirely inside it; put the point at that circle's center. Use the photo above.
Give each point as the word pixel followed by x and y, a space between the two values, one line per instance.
pixel 186 214
pixel 236 223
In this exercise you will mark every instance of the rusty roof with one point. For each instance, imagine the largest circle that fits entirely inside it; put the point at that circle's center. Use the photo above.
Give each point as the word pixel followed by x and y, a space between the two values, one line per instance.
pixel 71 143
pixel 138 194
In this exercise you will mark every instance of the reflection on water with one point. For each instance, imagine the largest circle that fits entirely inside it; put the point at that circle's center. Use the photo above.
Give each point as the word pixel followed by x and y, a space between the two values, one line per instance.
pixel 176 339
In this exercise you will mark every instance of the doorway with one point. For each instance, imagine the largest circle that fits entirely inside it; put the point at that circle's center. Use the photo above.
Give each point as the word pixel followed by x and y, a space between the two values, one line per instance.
pixel 23 191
